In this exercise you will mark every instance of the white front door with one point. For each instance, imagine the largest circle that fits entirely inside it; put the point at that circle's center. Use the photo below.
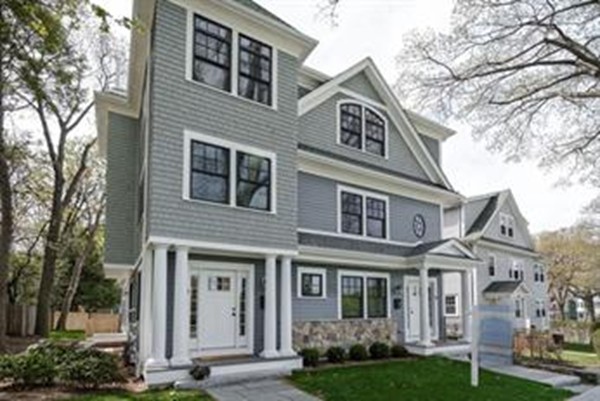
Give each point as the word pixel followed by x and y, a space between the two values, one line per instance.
pixel 221 309
pixel 412 290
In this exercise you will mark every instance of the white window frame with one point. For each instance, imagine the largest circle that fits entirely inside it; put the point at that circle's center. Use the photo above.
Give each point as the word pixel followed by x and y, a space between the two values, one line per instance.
pixel 508 221
pixel 364 194
pixel 492 256
pixel 234 76
pixel 311 270
pixel 363 105
pixel 456 313
pixel 364 275
pixel 189 136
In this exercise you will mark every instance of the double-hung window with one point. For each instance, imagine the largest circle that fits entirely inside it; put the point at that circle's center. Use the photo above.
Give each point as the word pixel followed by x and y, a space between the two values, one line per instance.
pixel 311 282
pixel 363 295
pixel 253 188
pixel 209 173
pixel 211 54
pixel 228 173
pixel 507 225
pixel 492 265
pixel 363 213
pixel 362 128
pixel 254 81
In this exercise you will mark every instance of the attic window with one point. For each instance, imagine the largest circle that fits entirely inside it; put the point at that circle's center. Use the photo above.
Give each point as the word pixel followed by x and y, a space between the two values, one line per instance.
pixel 362 128
pixel 507 225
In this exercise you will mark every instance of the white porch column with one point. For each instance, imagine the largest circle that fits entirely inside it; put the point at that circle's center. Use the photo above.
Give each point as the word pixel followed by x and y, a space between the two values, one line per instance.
pixel 467 302
pixel 425 331
pixel 181 310
pixel 270 318
pixel 159 308
pixel 286 307
pixel 145 326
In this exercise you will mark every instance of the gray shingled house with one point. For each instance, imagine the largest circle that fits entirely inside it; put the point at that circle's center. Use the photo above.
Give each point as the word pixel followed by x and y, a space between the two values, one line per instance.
pixel 257 206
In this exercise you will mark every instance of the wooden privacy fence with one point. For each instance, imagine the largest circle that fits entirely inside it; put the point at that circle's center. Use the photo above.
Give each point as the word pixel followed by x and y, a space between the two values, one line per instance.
pixel 21 321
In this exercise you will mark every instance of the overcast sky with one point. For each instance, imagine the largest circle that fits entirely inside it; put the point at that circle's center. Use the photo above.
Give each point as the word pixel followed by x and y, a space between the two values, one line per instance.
pixel 375 28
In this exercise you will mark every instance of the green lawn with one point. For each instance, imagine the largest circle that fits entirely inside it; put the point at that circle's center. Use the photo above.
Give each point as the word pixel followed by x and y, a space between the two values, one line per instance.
pixel 163 395
pixel 428 379
pixel 583 359
pixel 578 347
pixel 77 335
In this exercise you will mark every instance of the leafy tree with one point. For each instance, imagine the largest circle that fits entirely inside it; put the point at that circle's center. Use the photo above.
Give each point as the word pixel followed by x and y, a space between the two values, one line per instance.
pixel 525 74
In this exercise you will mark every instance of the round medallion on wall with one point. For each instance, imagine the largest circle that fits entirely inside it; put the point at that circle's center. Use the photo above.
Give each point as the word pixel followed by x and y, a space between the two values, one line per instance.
pixel 419 225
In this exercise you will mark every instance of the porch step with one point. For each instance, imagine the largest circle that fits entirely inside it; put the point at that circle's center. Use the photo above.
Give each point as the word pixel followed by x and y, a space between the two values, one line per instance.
pixel 240 371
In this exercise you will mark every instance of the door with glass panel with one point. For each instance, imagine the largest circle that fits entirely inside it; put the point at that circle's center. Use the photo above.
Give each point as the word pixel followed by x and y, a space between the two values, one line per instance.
pixel 219 310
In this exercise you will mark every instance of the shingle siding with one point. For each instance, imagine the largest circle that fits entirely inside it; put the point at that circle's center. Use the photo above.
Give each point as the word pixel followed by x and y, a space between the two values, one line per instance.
pixel 318 210
pixel 178 104
pixel 121 185
pixel 318 128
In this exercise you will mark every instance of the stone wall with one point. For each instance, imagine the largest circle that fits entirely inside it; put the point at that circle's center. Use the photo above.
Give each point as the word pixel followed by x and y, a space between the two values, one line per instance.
pixel 324 334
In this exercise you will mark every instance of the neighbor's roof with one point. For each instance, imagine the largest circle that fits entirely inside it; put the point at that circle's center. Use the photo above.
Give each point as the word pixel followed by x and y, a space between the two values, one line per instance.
pixel 504 287
pixel 485 215
pixel 444 247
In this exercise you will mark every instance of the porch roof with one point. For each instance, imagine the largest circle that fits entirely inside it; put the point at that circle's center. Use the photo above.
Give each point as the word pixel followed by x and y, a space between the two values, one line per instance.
pixel 505 288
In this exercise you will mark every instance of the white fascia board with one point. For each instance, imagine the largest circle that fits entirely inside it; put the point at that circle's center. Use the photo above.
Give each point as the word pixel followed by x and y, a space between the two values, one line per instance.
pixel 428 127
pixel 360 176
pixel 399 118
pixel 220 247
pixel 507 248
pixel 104 103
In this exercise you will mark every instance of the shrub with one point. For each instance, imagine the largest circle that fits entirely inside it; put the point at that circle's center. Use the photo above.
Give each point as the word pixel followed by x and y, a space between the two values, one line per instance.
pixel 90 368
pixel 310 357
pixel 379 350
pixel 398 351
pixel 596 342
pixel 199 372
pixel 336 355
pixel 33 368
pixel 6 366
pixel 358 352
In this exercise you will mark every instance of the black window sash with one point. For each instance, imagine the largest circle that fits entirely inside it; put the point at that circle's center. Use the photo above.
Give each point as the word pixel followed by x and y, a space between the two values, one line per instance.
pixel 346 113
pixel 379 123
pixel 372 216
pixel 261 57
pixel 346 212
pixel 353 286
pixel 226 176
pixel 310 277
pixel 257 183
pixel 226 66
pixel 380 286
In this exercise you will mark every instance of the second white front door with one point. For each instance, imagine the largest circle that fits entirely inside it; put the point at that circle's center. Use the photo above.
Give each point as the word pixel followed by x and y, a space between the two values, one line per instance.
pixel 412 324
pixel 221 309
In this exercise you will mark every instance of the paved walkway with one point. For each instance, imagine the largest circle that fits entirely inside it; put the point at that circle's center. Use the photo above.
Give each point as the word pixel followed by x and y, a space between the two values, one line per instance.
pixel 590 395
pixel 536 375
pixel 263 390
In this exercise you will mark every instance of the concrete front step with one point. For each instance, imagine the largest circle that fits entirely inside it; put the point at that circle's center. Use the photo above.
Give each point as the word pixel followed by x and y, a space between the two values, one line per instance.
pixel 592 394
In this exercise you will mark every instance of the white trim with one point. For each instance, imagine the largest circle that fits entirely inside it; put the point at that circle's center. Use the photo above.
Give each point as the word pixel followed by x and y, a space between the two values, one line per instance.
pixel 358 237
pixel 311 270
pixel 353 174
pixel 196 267
pixel 364 275
pixel 364 194
pixel 428 127
pixel 363 107
pixel 221 246
pixel 456 306
pixel 235 48
pixel 436 316
pixel 233 147
pixel 507 248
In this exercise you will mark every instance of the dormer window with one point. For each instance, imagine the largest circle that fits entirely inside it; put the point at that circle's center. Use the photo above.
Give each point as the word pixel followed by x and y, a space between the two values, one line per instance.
pixel 362 128
pixel 507 225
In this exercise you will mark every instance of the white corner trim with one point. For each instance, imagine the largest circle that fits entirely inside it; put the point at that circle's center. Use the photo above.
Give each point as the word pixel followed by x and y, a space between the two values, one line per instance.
pixel 364 274
pixel 364 106
pixel 364 194
pixel 311 270
pixel 234 147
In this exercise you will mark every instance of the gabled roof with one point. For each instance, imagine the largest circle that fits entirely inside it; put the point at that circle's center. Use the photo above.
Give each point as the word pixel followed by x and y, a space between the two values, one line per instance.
pixel 505 288
pixel 495 201
pixel 261 10
pixel 446 247
pixel 398 115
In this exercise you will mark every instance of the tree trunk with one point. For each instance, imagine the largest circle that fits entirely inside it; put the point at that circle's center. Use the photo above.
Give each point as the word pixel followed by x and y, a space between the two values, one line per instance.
pixel 6 232
pixel 42 318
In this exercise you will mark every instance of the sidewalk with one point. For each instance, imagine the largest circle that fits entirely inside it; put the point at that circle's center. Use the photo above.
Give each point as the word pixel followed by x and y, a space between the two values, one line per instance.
pixel 263 390
pixel 541 376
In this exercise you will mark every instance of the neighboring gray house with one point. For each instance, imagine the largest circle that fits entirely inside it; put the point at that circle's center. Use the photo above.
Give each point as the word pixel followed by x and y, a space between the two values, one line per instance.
pixel 512 272
pixel 258 206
